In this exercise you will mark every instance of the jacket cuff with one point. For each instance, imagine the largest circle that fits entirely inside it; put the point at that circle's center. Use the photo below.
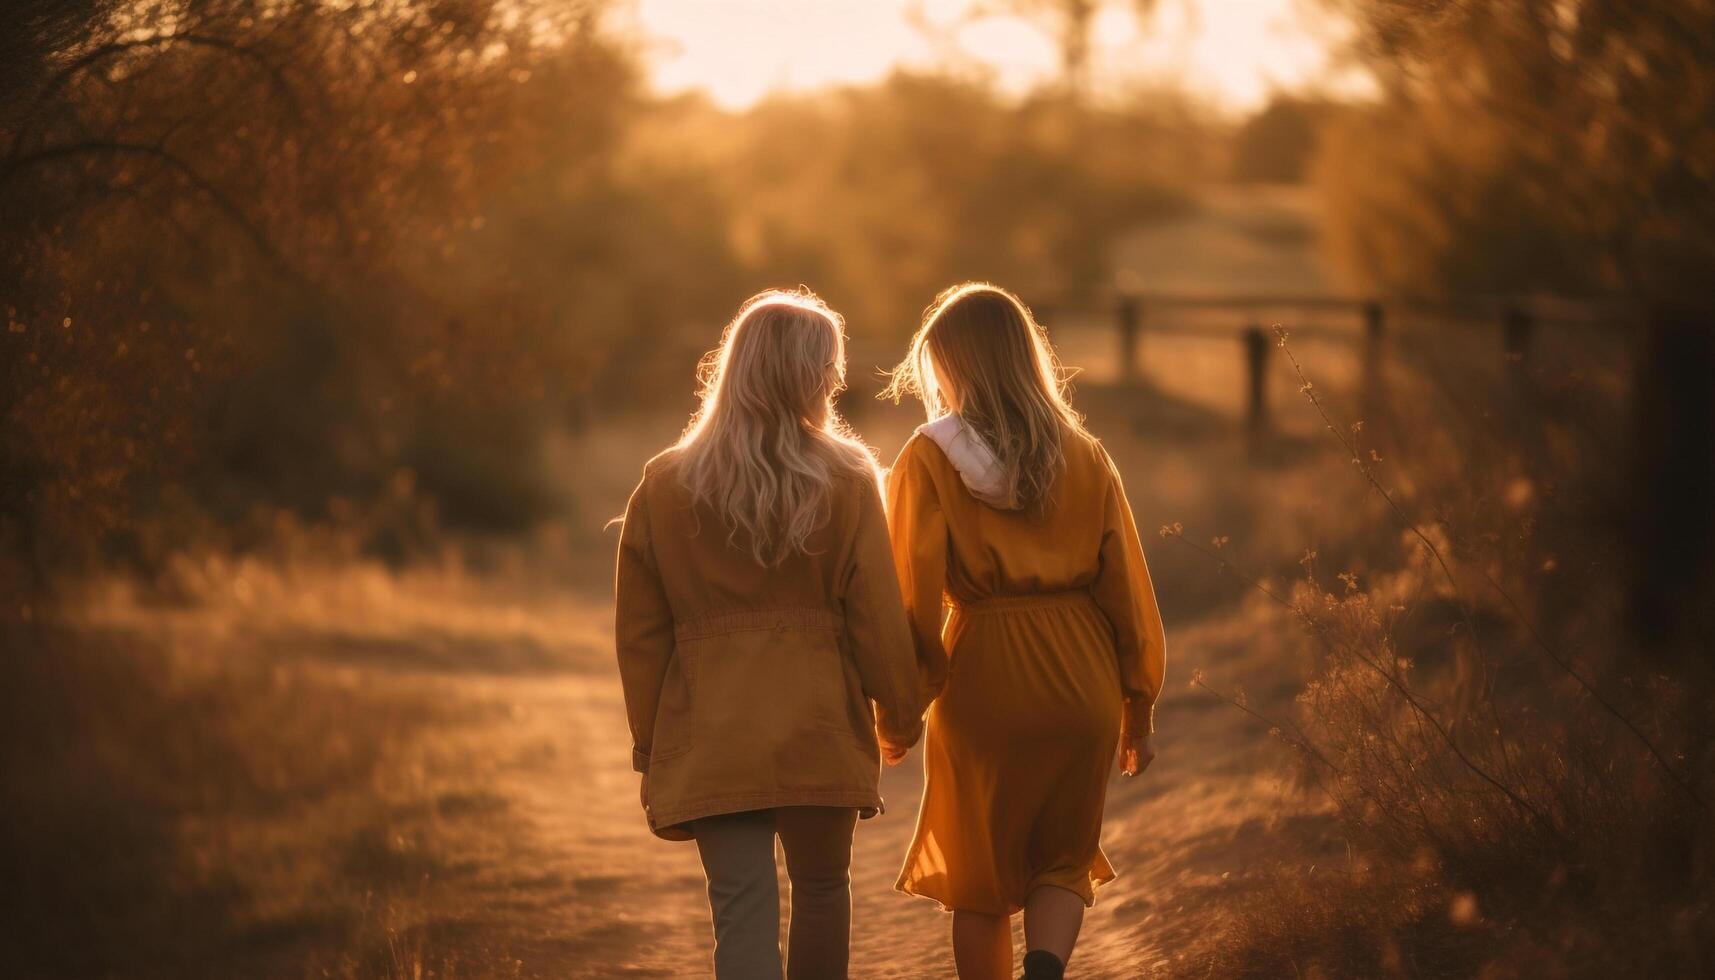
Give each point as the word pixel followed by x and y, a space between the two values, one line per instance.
pixel 890 743
pixel 898 740
pixel 639 759
pixel 1138 718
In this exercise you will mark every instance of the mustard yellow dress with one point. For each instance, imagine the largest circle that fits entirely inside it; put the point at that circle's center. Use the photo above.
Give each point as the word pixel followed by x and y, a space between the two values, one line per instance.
pixel 1054 646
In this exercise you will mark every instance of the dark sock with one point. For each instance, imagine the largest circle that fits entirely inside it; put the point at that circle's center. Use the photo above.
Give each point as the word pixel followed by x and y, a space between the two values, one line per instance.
pixel 1039 964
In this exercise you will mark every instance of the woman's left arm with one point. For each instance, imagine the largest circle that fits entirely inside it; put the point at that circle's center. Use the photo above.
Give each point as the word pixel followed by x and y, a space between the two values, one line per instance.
pixel 1126 596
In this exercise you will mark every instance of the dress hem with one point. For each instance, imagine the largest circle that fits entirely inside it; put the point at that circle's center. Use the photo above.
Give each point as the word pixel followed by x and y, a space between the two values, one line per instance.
pixel 906 887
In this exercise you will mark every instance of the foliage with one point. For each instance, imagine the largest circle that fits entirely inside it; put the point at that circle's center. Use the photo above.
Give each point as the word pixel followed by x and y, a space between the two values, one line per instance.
pixel 1561 147
pixel 1530 145
pixel 1279 142
pixel 258 295
pixel 1478 718
pixel 392 244
pixel 878 197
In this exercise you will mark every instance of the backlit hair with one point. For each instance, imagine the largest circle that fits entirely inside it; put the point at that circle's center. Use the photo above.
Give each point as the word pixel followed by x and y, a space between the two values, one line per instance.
pixel 980 353
pixel 765 446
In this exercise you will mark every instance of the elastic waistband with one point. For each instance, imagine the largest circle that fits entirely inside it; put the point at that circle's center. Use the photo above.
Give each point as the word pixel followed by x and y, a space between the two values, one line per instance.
pixel 1030 600
pixel 794 617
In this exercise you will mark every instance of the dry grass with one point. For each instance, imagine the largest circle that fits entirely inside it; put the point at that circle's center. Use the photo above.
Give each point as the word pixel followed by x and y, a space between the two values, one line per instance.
pixel 1513 809
pixel 263 777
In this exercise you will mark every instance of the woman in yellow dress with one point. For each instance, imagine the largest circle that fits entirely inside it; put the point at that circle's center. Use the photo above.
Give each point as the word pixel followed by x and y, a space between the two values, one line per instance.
pixel 1006 510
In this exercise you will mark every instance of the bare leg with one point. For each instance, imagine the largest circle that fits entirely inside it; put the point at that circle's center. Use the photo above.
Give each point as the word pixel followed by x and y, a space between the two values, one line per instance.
pixel 1052 918
pixel 982 946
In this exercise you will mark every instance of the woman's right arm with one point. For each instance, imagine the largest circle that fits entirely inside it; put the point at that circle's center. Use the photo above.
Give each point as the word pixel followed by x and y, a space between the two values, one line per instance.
pixel 643 627
pixel 918 528
pixel 880 635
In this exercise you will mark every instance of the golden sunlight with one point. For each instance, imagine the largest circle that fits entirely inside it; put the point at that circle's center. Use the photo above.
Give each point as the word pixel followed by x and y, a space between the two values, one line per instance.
pixel 1231 55
pixel 337 335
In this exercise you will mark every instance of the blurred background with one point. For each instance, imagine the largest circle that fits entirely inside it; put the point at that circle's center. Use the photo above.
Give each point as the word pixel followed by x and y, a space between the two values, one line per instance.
pixel 337 331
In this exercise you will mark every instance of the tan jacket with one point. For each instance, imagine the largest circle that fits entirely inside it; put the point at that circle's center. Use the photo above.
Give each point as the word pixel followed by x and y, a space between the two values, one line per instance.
pixel 751 687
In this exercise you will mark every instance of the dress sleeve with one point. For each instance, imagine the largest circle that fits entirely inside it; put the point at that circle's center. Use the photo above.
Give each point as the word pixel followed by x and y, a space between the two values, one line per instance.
pixel 1127 597
pixel 919 531
pixel 877 630
pixel 643 628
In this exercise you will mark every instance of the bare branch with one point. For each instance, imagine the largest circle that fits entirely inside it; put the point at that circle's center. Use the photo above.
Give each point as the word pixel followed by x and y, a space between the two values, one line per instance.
pixel 95 56
pixel 1369 476
pixel 202 185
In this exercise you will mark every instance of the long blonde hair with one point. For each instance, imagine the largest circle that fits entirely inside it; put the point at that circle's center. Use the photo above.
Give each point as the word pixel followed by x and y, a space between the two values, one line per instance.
pixel 981 354
pixel 766 444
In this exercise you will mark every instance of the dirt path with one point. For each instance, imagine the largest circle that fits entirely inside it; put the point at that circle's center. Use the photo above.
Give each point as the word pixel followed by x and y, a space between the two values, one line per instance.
pixel 576 886
pixel 495 829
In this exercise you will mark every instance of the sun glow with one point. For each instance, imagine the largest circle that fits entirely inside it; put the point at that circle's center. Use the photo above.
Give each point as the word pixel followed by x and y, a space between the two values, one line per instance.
pixel 1234 55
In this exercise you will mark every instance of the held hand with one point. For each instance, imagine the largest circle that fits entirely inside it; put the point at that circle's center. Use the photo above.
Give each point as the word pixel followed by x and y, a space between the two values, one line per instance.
pixel 893 755
pixel 1136 753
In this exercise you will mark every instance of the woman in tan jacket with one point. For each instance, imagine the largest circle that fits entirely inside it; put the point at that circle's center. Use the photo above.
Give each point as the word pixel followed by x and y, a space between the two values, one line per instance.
pixel 758 621
pixel 1006 509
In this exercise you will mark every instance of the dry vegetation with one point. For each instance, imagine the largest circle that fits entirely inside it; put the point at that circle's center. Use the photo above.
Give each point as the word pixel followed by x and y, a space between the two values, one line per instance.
pixel 1478 716
pixel 385 246
pixel 305 761
pixel 317 389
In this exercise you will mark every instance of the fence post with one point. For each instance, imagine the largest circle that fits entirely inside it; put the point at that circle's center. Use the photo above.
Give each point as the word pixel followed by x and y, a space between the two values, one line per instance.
pixel 1129 316
pixel 1256 368
pixel 1375 329
pixel 1672 482
pixel 1517 329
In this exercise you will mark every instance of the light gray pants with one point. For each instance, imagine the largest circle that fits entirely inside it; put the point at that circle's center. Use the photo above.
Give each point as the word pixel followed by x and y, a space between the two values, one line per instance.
pixel 738 858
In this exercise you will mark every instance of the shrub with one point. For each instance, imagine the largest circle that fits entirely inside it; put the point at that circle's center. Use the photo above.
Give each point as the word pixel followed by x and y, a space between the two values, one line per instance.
pixel 1535 811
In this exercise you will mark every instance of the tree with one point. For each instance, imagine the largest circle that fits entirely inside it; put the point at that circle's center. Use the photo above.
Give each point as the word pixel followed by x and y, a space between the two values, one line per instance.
pixel 249 258
pixel 1590 125
pixel 1277 144
pixel 1068 22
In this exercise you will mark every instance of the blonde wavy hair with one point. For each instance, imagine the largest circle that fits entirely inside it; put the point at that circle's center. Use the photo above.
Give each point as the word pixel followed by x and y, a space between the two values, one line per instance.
pixel 765 446
pixel 980 354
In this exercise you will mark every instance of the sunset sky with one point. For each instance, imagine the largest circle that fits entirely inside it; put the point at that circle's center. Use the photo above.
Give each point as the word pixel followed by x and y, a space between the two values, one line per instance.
pixel 1232 53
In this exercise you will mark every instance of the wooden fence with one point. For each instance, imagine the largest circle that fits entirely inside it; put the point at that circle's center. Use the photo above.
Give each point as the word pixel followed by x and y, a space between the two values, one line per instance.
pixel 1137 316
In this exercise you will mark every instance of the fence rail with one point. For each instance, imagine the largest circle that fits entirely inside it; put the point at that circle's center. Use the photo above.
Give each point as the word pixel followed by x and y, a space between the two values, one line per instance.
pixel 1517 321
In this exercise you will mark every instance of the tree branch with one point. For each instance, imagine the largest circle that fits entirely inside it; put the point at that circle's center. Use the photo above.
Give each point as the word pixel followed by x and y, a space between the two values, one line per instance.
pixel 105 51
pixel 263 245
